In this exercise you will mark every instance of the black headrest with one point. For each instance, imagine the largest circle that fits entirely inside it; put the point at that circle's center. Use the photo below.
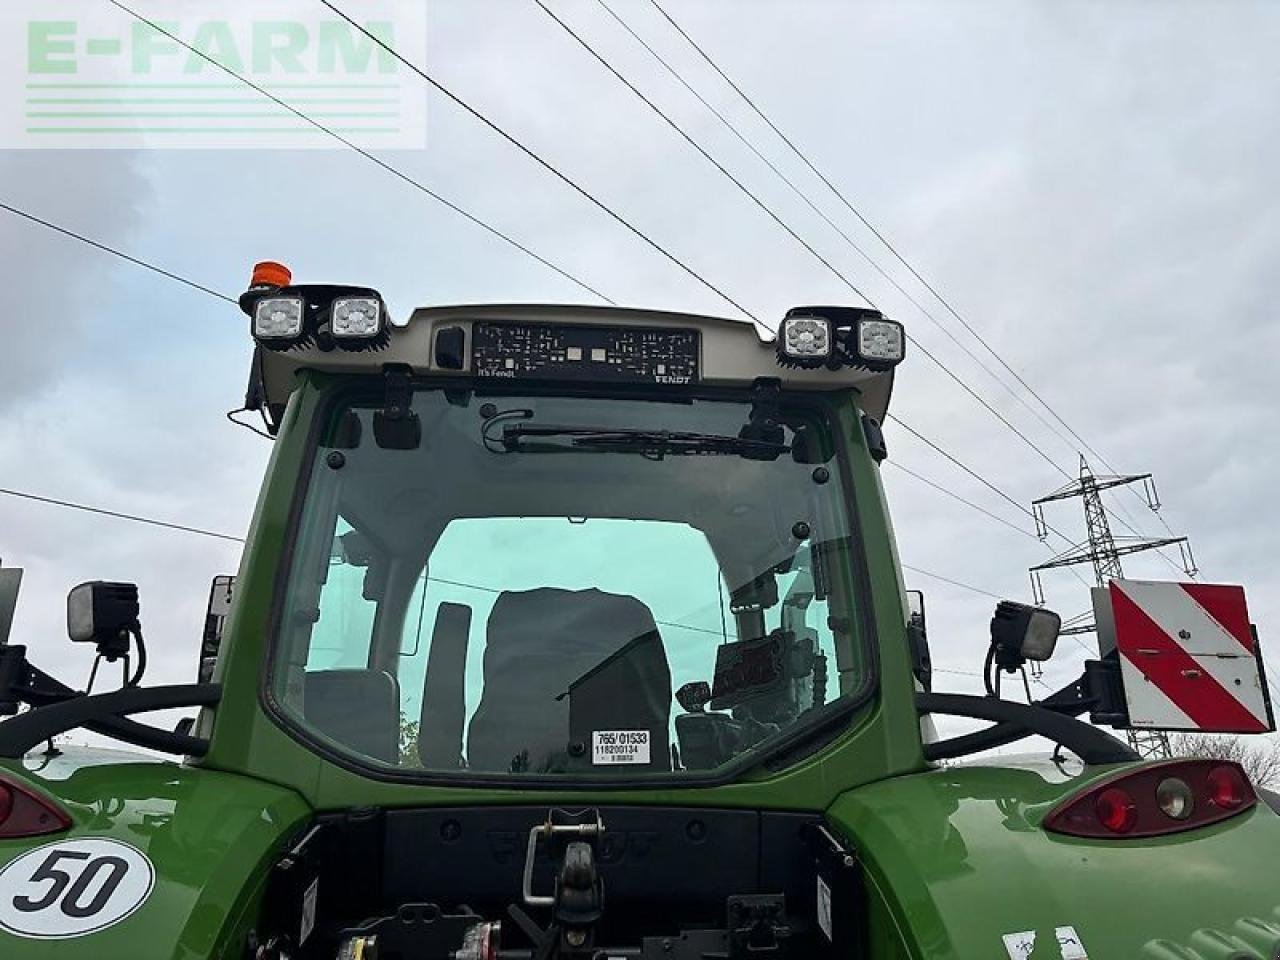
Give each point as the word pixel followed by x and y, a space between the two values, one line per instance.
pixel 538 643
pixel 358 708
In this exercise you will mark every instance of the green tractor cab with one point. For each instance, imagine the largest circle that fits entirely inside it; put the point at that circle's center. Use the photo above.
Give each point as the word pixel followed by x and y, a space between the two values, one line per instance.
pixel 574 633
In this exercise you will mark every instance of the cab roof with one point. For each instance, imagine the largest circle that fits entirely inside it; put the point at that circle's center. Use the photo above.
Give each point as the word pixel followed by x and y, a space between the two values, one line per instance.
pixel 731 352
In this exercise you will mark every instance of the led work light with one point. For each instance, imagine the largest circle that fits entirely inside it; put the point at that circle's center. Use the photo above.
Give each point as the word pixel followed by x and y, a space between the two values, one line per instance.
pixel 1020 633
pixel 834 337
pixel 881 342
pixel 806 341
pixel 103 613
pixel 356 318
pixel 278 320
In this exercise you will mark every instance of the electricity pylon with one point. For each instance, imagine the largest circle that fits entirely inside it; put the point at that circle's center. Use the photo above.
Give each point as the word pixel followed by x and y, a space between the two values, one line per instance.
pixel 1103 550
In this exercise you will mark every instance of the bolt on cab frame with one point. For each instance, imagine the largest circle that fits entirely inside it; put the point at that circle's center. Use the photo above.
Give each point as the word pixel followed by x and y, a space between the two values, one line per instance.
pixel 573 632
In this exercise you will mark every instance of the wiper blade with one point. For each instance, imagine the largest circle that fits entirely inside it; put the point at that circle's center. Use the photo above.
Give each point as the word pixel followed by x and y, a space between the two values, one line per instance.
pixel 658 443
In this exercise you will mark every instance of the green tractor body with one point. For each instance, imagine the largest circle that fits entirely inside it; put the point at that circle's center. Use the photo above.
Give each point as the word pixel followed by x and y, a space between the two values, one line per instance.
pixel 569 632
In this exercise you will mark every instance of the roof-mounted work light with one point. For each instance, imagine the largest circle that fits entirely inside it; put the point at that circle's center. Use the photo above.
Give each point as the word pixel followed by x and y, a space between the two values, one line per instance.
pixel 881 343
pixel 805 341
pixel 835 337
pixel 277 318
pixel 358 323
pixel 285 315
pixel 278 321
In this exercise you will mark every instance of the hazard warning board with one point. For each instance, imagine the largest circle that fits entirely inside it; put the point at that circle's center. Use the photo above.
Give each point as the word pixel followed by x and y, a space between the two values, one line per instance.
pixel 1189 658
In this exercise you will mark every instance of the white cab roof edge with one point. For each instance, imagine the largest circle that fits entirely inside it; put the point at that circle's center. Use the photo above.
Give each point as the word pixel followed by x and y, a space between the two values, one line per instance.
pixel 733 352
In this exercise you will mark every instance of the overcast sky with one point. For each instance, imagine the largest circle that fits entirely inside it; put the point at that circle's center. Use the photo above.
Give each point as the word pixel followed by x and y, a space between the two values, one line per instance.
pixel 1092 186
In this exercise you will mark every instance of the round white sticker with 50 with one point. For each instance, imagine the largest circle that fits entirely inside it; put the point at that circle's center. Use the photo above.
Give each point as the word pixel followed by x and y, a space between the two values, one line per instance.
pixel 70 888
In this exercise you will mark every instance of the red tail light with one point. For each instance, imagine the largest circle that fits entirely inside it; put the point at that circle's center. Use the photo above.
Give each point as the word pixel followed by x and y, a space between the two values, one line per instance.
pixel 1116 810
pixel 24 813
pixel 1228 787
pixel 1155 800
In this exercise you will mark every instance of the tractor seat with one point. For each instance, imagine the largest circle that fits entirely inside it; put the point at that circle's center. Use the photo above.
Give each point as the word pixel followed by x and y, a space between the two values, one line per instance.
pixel 539 644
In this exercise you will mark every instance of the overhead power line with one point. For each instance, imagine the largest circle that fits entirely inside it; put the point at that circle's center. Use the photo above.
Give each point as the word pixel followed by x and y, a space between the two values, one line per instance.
pixel 372 158
pixel 835 271
pixel 961 382
pixel 115 253
pixel 955 583
pixel 956 461
pixel 544 163
pixel 887 244
pixel 724 171
pixel 818 211
pixel 1123 518
pixel 134 518
pixel 947 491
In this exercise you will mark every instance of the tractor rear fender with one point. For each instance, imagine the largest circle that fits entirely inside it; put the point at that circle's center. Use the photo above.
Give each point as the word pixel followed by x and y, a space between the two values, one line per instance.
pixel 957 861
pixel 160 861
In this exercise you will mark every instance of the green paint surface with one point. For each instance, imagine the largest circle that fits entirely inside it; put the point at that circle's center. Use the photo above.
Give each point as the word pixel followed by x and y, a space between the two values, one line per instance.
pixel 210 836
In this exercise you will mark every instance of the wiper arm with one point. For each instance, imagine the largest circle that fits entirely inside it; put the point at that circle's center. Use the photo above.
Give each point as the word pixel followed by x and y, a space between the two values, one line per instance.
pixel 657 443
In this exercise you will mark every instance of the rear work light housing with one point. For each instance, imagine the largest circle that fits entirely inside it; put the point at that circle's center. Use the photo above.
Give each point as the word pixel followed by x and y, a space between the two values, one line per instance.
pixel 285 316
pixel 1155 800
pixel 24 813
pixel 836 337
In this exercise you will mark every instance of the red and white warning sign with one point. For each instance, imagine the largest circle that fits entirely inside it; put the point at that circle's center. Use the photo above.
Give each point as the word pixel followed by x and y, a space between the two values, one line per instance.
pixel 1188 655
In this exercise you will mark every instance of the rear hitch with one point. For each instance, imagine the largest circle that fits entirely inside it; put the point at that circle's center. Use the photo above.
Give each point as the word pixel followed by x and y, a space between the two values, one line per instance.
pixel 577 903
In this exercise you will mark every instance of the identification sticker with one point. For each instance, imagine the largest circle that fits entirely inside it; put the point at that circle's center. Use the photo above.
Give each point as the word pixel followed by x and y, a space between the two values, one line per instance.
pixel 1020 946
pixel 308 911
pixel 619 746
pixel 1070 944
pixel 824 908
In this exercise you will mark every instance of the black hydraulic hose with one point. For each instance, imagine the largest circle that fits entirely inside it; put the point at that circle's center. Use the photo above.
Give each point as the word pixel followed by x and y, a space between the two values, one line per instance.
pixel 1013 721
pixel 27 730
pixel 1070 701
pixel 43 691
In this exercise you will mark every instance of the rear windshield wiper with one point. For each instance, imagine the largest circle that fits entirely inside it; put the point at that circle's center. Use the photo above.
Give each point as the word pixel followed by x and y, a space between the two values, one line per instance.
pixel 657 443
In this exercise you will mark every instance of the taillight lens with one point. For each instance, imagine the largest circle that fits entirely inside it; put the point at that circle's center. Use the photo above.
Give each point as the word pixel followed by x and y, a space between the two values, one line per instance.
pixel 1154 800
pixel 1228 787
pixel 24 813
pixel 1116 810
pixel 1176 798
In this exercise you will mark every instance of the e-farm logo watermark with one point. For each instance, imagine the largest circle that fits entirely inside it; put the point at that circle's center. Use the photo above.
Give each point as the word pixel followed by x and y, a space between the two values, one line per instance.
pixel 86 74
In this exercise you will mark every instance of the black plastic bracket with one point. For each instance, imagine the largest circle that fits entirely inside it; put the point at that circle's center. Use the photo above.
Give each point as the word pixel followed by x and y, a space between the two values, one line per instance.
pixel 765 423
pixel 396 426
pixel 874 435
pixel 1105 689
